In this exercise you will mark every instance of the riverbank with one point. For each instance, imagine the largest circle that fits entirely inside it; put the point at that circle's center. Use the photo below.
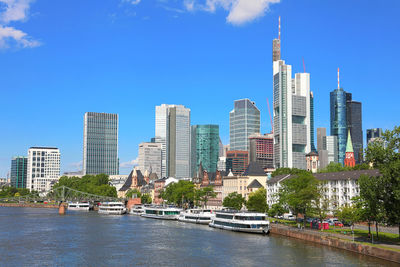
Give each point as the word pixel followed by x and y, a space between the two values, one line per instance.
pixel 30 205
pixel 390 253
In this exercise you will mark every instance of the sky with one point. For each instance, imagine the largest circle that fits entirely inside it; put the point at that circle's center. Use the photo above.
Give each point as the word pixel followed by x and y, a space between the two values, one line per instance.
pixel 60 59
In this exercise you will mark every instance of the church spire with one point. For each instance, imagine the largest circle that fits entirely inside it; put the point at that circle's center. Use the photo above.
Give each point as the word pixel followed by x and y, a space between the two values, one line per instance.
pixel 349 146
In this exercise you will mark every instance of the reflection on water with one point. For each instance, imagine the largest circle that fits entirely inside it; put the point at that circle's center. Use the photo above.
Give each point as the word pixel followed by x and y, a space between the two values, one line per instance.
pixel 41 237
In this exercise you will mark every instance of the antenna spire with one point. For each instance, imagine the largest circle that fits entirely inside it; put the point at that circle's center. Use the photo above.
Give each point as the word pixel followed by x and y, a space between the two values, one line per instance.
pixel 304 66
pixel 338 84
pixel 279 27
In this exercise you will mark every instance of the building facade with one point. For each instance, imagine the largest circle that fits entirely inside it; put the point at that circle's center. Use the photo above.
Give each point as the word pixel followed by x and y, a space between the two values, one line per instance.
pixel 237 161
pixel 354 125
pixel 172 131
pixel 18 175
pixel 43 168
pixel 244 120
pixel 150 157
pixel 100 143
pixel 206 146
pixel 331 145
pixel 373 134
pixel 262 150
pixel 338 120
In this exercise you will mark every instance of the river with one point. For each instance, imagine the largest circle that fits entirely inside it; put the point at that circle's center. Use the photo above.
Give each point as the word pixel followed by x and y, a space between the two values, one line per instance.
pixel 41 237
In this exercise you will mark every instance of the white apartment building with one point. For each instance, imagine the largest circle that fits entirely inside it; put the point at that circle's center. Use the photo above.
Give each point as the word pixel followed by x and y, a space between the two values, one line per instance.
pixel 339 187
pixel 43 168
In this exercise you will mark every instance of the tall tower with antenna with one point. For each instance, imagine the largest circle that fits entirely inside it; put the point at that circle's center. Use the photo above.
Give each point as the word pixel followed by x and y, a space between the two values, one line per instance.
pixel 276 45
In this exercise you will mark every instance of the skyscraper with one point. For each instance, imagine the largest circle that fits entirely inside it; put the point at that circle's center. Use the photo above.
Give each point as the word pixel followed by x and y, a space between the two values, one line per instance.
pixel 321 132
pixel 244 120
pixel 19 167
pixel 373 134
pixel 327 148
pixel 43 168
pixel 100 143
pixel 292 115
pixel 338 120
pixel 354 125
pixel 173 132
pixel 331 145
pixel 262 150
pixel 206 140
pixel 237 161
pixel 150 158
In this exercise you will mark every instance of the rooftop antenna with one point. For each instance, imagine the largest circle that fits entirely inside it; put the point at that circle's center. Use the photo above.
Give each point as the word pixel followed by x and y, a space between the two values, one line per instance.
pixel 304 66
pixel 279 28
pixel 338 84
pixel 270 117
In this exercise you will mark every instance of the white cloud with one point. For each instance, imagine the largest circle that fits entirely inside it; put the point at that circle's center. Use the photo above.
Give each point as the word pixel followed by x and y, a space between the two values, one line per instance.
pixel 9 35
pixel 133 2
pixel 240 11
pixel 129 164
pixel 11 11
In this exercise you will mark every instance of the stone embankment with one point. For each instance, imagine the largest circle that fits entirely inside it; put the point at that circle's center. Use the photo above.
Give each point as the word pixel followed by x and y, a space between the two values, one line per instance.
pixel 326 239
pixel 29 205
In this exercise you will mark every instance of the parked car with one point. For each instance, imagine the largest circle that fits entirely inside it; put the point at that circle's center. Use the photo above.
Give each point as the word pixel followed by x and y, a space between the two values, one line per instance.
pixel 335 222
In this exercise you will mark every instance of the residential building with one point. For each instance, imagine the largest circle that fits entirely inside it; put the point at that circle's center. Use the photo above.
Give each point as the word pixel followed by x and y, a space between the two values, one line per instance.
pixel 205 147
pixel 244 120
pixel 173 132
pixel 339 187
pixel 373 134
pixel 19 167
pixel 237 161
pixel 100 143
pixel 43 167
pixel 150 157
pixel 292 113
pixel 262 150
pixel 354 124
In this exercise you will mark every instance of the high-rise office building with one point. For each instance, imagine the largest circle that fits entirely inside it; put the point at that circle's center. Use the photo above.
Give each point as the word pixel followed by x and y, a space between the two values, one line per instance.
pixel 100 143
pixel 354 125
pixel 373 134
pixel 321 132
pixel 331 145
pixel 19 167
pixel 43 168
pixel 262 150
pixel 150 158
pixel 206 147
pixel 237 161
pixel 173 132
pixel 292 111
pixel 321 147
pixel 244 120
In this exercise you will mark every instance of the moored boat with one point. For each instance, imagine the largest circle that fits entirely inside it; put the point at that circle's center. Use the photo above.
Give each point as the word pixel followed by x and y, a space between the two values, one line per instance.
pixel 137 210
pixel 164 213
pixel 250 222
pixel 112 208
pixel 200 216
pixel 81 206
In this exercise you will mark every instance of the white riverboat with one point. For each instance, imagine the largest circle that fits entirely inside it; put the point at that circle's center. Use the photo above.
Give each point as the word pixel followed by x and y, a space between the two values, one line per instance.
pixel 137 210
pixel 164 213
pixel 250 222
pixel 200 216
pixel 81 206
pixel 112 208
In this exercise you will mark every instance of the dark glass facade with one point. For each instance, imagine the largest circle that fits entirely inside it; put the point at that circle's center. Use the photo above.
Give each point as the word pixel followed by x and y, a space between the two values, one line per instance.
pixel 206 146
pixel 19 167
pixel 354 124
pixel 339 120
pixel 372 134
pixel 237 161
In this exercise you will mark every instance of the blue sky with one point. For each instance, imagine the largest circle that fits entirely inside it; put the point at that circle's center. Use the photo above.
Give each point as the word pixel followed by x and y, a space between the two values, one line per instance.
pixel 60 59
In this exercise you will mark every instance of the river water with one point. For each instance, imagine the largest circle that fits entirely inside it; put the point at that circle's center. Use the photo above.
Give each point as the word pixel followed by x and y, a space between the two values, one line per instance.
pixel 41 237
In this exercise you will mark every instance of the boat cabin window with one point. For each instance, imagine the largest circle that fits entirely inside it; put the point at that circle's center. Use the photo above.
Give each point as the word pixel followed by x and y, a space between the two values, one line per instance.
pixel 250 218
pixel 224 216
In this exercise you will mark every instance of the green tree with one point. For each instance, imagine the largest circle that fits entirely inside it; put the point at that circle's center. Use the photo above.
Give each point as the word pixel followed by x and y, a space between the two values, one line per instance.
pixel 321 203
pixel 179 193
pixel 281 171
pixel 299 192
pixel 132 192
pixel 258 201
pixel 350 214
pixel 234 201
pixel 146 199
pixel 204 194
pixel 276 210
pixel 384 155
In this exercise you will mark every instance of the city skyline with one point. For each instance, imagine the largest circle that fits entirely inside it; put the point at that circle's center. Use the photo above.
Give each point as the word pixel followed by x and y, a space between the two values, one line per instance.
pixel 69 87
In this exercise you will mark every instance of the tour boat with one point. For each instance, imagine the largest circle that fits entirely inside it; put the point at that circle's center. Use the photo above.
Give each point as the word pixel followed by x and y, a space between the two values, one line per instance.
pixel 164 213
pixel 84 206
pixel 200 216
pixel 250 222
pixel 137 210
pixel 112 208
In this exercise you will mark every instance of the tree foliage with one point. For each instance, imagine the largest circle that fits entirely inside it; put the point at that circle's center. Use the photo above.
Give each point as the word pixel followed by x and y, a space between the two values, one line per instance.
pixel 132 192
pixel 234 201
pixel 338 167
pixel 179 193
pixel 93 184
pixel 350 214
pixel 7 191
pixel 281 171
pixel 276 210
pixel 146 199
pixel 204 194
pixel 258 201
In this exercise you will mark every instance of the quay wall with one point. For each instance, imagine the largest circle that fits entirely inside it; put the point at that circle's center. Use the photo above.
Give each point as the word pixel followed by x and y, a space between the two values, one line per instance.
pixel 29 205
pixel 381 253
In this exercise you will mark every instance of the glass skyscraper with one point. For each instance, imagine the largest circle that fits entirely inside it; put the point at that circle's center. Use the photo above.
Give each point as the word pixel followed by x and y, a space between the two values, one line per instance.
pixel 100 143
pixel 244 120
pixel 19 167
pixel 354 124
pixel 339 120
pixel 205 141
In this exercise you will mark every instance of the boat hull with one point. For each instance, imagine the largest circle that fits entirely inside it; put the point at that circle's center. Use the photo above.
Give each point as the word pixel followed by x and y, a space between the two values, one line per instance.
pixel 205 222
pixel 79 209
pixel 264 230
pixel 112 212
pixel 165 217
